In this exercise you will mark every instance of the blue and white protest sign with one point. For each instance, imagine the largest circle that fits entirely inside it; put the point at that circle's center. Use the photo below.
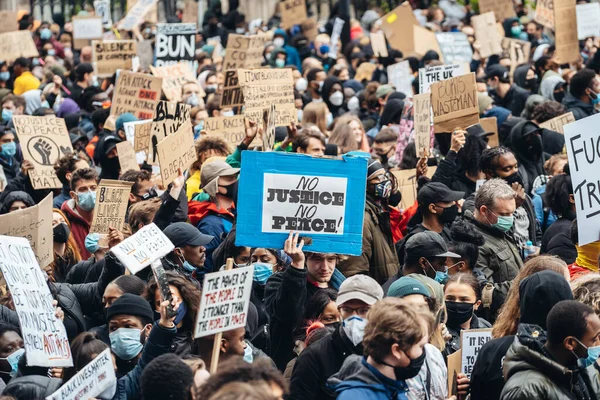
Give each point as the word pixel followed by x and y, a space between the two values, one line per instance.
pixel 582 140
pixel 321 198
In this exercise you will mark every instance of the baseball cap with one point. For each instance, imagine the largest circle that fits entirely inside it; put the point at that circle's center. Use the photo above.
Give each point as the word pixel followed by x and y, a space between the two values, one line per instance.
pixel 110 142
pixel 360 287
pixel 210 173
pixel 184 234
pixel 384 90
pixel 497 70
pixel 434 192
pixel 406 286
pixel 428 244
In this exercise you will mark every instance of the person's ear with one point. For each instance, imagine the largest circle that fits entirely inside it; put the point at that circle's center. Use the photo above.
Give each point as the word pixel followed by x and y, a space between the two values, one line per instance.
pixel 147 330
pixel 193 392
pixel 476 305
pixel 131 197
pixel 397 352
pixel 223 348
pixel 462 266
pixel 572 198
pixel 483 210
pixel 432 208
pixel 73 195
pixel 570 343
pixel 68 176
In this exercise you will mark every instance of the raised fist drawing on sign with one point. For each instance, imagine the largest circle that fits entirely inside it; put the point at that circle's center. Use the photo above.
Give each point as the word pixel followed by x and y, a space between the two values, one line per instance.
pixel 44 148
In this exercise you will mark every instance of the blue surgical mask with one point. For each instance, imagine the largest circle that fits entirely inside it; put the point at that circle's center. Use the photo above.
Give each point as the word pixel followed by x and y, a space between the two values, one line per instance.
pixel 87 200
pixel 596 98
pixel 440 277
pixel 248 357
pixel 180 313
pixel 45 34
pixel 125 342
pixel 188 267
pixel 279 63
pixel 91 242
pixel 51 52
pixel 324 49
pixel 197 129
pixel 592 355
pixel 193 100
pixel 300 114
pixel 262 272
pixel 515 31
pixel 13 361
pixel 228 113
pixel 4 76
pixel 504 223
pixel 9 149
pixel 7 115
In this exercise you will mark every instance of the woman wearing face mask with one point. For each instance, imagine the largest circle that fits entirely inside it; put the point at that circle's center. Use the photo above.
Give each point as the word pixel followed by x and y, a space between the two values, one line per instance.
pixel 267 53
pixel 187 299
pixel 66 254
pixel 463 297
pixel 12 349
pixel 278 58
pixel 333 96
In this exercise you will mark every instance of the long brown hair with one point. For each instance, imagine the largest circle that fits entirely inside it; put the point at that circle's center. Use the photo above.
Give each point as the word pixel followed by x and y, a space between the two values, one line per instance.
pixel 316 113
pixel 510 313
pixel 72 254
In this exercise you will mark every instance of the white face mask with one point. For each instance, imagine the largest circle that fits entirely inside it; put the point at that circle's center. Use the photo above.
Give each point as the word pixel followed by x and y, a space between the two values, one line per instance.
pixel 240 31
pixel 278 42
pixel 301 85
pixel 354 328
pixel 337 98
pixel 353 104
pixel 228 113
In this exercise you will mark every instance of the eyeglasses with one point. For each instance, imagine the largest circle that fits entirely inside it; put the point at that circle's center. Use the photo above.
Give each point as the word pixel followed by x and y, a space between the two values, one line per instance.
pixel 360 311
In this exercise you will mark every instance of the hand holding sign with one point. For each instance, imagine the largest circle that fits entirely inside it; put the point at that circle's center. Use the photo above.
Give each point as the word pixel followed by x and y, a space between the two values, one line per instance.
pixel 252 129
pixel 114 237
pixel 463 385
pixel 165 321
pixel 294 249
pixel 458 140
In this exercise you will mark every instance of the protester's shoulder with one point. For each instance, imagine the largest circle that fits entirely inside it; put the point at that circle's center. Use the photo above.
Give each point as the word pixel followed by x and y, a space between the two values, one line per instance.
pixel 526 384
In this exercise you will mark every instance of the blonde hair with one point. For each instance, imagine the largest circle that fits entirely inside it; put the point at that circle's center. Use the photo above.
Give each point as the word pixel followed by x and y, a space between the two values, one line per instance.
pixel 316 113
pixel 586 290
pixel 552 161
pixel 510 313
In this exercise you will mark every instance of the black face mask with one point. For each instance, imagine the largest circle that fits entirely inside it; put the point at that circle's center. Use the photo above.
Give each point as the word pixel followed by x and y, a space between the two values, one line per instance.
pixel 111 165
pixel 516 177
pixel 449 214
pixel 530 83
pixel 559 96
pixel 412 370
pixel 395 198
pixel 534 147
pixel 231 191
pixel 61 233
pixel 458 313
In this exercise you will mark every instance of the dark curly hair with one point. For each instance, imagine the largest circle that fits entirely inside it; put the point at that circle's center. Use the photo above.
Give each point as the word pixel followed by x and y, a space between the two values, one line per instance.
pixel 558 189
pixel 468 156
pixel 466 241
pixel 546 111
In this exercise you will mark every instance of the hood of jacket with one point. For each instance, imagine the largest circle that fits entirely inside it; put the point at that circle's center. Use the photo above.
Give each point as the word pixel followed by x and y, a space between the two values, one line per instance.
pixel 16 196
pixel 281 32
pixel 571 102
pixel 200 209
pixel 538 293
pixel 355 374
pixel 274 53
pixel 516 141
pixel 549 84
pixel 69 208
pixel 32 387
pixel 327 85
pixel 520 75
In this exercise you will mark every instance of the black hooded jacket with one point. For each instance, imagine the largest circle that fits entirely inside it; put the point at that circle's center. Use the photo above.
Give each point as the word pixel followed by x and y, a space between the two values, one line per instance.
pixel 337 111
pixel 392 112
pixel 15 196
pixel 529 155
pixel 538 294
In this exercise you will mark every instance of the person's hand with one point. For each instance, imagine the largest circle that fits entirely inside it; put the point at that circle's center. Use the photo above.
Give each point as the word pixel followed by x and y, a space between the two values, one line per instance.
pixel 55 372
pixel 421 167
pixel 519 193
pixel 165 321
pixel 292 131
pixel 26 166
pixel 114 237
pixel 58 312
pixel 445 333
pixel 458 140
pixel 251 131
pixel 294 249
pixel 464 384
pixel 57 80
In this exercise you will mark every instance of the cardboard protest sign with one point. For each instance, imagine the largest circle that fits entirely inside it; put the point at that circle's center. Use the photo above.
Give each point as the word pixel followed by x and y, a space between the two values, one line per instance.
pixel 588 16
pixel 293 12
pixel 243 52
pixel 454 368
pixel 136 94
pixel 224 301
pixel 35 224
pixel 544 13
pixel 169 118
pixel 110 55
pixel 231 129
pixel 138 157
pixel 490 124
pixel 45 337
pixel 486 34
pixel 176 151
pixel 9 21
pixel 517 51
pixel 112 198
pixel 502 8
pixel 557 123
pixel 136 13
pixel 472 340
pixel 127 157
pixel 102 10
pixel 140 249
pixel 454 103
pixel 93 379
pixel 565 31
pixel 400 76
pixel 407 184
pixel 422 118
pixel 397 20
pixel 581 139
pixel 142 135
pixel 378 44
pixel 365 71
pixel 175 43
pixel 43 141
pixel 439 73
pixel 17 44
pixel 174 76
pixel 455 47
pixel 85 29
pixel 268 135
pixel 310 28
pixel 263 87
pixel 232 95
pixel 190 12
pixel 338 25
pixel 320 198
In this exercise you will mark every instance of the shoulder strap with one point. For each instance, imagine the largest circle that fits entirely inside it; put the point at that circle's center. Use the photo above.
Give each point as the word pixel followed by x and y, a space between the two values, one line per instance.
pixel 487 294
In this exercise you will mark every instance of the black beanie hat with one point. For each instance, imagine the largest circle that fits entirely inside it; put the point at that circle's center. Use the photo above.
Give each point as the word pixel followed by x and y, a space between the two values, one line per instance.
pixel 538 293
pixel 130 304
pixel 372 167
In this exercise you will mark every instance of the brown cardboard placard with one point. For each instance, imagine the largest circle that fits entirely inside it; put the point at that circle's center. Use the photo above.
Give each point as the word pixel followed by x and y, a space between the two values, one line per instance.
pixel 139 11
pixel 502 8
pixel 454 367
pixel 243 51
pixel 397 26
pixel 86 29
pixel 454 102
pixel 544 13
pixel 169 118
pixel 137 94
pixel 112 198
pixel 231 129
pixel 486 34
pixel 422 119
pixel 43 141
pixel 174 77
pixel 517 51
pixel 142 136
pixel 490 124
pixel 407 184
pixel 293 12
pixel 378 44
pixel 35 224
pixel 9 21
pixel 565 31
pixel 268 137
pixel 127 158
pixel 310 28
pixel 365 71
pixel 232 95
pixel 176 151
pixel 557 123
pixel 190 12
pixel 17 44
pixel 110 55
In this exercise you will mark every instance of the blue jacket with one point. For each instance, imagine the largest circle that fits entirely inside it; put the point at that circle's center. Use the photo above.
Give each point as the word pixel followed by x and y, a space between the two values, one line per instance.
pixel 359 380
pixel 62 197
pixel 292 54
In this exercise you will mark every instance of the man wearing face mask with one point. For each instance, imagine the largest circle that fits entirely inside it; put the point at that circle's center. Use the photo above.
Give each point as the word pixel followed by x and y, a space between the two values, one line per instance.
pixel 563 366
pixel 11 351
pixel 80 208
pixel 192 94
pixel 315 77
pixel 499 257
pixel 384 146
pixel 323 359
pixel 378 259
pixel 8 149
pixel 109 158
pixel 584 94
pixel 216 215
pixel 189 254
pixel 84 78
pixel 505 94
pixel 394 351
pixel 280 40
